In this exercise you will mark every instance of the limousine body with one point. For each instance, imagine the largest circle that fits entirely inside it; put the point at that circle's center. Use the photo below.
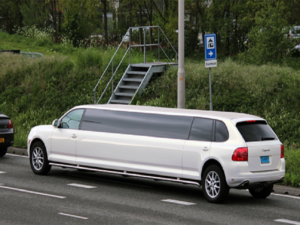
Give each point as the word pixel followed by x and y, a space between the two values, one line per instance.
pixel 215 150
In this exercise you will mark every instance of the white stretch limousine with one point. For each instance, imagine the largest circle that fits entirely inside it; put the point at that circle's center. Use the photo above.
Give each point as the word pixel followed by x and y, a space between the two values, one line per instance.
pixel 218 150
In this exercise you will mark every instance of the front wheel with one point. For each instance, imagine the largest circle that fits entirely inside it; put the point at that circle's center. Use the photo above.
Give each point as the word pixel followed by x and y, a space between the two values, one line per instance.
pixel 3 151
pixel 39 159
pixel 215 188
pixel 261 192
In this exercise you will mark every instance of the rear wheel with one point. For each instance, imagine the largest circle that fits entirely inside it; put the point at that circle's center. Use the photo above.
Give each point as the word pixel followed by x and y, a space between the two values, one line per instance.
pixel 38 159
pixel 215 188
pixel 3 151
pixel 261 192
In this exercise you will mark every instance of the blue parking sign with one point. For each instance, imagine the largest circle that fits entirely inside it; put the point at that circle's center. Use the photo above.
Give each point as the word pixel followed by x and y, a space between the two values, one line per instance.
pixel 210 45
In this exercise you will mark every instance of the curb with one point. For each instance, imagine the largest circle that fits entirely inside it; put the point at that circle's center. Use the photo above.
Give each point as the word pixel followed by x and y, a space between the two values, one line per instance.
pixel 278 189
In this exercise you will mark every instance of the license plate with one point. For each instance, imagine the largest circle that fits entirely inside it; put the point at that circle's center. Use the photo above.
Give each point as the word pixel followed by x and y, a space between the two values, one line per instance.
pixel 1 140
pixel 264 159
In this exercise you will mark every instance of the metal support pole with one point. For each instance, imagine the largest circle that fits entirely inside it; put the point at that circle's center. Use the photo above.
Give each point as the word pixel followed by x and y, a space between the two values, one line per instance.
pixel 210 95
pixel 181 71
pixel 130 31
pixel 112 73
pixel 144 45
pixel 158 48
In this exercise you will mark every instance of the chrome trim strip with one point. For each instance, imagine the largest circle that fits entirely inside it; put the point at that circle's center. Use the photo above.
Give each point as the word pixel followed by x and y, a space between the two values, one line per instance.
pixel 125 173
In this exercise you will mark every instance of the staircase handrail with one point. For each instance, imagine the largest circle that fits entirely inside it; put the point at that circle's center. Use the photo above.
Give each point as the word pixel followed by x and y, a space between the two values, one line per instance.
pixel 111 61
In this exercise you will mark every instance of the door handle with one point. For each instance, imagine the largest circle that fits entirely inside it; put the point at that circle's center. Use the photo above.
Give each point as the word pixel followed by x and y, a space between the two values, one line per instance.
pixel 74 136
pixel 205 149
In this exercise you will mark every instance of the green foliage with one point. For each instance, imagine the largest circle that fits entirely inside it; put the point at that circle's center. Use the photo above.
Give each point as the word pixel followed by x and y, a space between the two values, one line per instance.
pixel 41 36
pixel 268 38
pixel 34 13
pixel 292 162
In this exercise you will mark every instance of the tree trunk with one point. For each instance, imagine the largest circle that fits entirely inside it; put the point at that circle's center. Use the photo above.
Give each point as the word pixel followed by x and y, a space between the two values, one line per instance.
pixel 139 18
pixel 105 21
pixel 150 20
pixel 54 19
pixel 166 10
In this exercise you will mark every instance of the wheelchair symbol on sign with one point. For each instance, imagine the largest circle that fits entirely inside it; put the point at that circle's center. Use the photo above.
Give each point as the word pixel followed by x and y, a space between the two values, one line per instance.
pixel 210 43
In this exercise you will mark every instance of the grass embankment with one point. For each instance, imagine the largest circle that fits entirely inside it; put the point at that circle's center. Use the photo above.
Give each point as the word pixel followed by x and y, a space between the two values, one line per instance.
pixel 34 92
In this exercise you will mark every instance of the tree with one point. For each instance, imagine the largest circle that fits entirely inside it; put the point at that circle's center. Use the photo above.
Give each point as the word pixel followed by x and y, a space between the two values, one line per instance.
pixel 10 10
pixel 267 40
pixel 35 13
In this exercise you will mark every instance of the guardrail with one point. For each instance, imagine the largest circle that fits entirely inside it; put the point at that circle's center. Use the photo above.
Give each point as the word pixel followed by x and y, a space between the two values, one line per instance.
pixel 32 54
pixel 127 36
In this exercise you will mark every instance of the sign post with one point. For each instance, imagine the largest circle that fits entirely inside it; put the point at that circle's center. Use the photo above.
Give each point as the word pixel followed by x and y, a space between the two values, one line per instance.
pixel 210 46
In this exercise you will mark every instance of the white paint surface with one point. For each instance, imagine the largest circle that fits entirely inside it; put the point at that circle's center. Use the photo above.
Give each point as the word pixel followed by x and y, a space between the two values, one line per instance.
pixel 178 202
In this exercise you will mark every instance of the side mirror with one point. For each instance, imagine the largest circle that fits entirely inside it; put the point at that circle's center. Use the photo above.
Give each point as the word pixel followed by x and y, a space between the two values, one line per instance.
pixel 55 123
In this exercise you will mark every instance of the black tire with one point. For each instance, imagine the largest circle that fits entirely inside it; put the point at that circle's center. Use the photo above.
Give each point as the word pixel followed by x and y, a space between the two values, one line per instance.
pixel 214 186
pixel 39 159
pixel 261 192
pixel 3 151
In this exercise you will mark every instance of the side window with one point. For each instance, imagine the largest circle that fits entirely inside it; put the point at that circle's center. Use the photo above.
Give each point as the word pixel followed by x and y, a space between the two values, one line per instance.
pixel 201 129
pixel 72 119
pixel 221 132
pixel 145 124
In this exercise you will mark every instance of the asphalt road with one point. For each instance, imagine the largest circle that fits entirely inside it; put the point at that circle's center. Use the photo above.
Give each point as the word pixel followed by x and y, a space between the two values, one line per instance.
pixel 74 197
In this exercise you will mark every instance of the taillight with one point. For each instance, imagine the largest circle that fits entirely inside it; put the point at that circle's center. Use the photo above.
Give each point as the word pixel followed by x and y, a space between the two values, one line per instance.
pixel 251 121
pixel 10 124
pixel 240 154
pixel 282 151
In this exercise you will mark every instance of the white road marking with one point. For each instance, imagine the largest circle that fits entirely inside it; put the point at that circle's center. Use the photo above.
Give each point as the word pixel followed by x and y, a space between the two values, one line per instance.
pixel 2 172
pixel 178 202
pixel 287 221
pixel 22 156
pixel 81 186
pixel 281 195
pixel 287 196
pixel 78 217
pixel 31 192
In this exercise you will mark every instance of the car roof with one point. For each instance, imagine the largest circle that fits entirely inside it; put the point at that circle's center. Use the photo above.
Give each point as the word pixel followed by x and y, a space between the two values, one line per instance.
pixel 175 111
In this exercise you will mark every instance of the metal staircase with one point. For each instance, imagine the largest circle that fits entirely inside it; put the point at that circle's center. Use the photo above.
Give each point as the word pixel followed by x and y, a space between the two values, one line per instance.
pixel 136 76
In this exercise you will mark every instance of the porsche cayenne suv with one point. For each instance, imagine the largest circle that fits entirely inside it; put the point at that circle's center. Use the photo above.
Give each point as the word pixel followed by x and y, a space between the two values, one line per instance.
pixel 6 134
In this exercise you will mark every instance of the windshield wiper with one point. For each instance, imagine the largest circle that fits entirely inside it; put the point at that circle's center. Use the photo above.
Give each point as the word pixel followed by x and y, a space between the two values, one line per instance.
pixel 267 138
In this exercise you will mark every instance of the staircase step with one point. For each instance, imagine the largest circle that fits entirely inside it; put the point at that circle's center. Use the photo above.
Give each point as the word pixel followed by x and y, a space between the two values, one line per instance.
pixel 120 101
pixel 128 87
pixel 137 72
pixel 124 94
pixel 132 79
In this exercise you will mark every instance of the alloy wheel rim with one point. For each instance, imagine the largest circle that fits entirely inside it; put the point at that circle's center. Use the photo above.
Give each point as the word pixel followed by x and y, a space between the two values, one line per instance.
pixel 212 184
pixel 37 158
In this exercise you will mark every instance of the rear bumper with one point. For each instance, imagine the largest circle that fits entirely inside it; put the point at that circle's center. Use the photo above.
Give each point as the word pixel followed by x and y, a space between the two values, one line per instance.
pixel 8 139
pixel 255 179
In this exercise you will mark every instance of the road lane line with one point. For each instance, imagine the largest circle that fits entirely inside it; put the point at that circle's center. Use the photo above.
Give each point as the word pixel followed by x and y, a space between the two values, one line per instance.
pixel 81 186
pixel 178 202
pixel 78 217
pixel 287 221
pixel 22 156
pixel 31 192
pixel 281 195
pixel 2 172
pixel 287 196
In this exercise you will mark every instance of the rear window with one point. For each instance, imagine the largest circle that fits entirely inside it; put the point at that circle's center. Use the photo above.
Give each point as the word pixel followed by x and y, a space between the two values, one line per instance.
pixel 256 131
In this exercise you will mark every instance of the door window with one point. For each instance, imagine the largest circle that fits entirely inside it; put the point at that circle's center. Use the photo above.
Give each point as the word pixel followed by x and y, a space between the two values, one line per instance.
pixel 72 119
pixel 201 129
